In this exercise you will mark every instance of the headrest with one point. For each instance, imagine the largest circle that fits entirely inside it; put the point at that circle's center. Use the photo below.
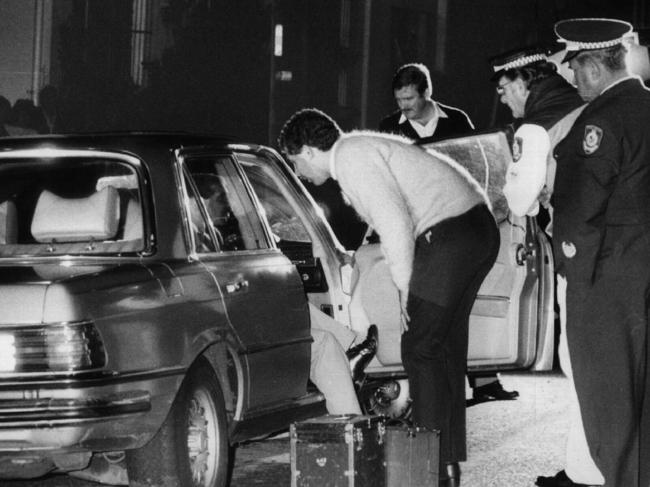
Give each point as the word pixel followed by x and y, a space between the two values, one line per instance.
pixel 95 217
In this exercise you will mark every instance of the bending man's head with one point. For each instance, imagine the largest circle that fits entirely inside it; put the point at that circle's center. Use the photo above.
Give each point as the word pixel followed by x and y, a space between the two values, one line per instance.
pixel 311 127
pixel 306 139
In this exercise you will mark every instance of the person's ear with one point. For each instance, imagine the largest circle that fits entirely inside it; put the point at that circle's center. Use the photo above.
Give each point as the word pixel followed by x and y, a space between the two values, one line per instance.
pixel 307 152
pixel 427 93
pixel 593 70
pixel 520 86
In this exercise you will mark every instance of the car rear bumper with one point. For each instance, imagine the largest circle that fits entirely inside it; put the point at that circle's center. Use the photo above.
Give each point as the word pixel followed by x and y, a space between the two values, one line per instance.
pixel 76 416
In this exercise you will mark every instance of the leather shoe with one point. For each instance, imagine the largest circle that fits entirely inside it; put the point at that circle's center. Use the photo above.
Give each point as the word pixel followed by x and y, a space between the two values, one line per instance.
pixel 559 480
pixel 493 391
pixel 360 355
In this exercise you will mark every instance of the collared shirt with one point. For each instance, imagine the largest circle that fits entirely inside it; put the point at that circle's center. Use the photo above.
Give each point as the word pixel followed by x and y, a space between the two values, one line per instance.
pixel 428 129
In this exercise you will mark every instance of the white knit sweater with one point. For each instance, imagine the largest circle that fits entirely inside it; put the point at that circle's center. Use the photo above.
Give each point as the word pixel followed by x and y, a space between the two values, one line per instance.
pixel 400 189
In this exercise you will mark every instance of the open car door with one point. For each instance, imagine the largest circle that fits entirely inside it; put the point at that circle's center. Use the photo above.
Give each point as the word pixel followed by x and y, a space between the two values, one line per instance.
pixel 511 325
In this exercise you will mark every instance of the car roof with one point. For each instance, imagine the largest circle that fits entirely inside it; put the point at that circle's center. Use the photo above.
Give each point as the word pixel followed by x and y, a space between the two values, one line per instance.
pixel 135 142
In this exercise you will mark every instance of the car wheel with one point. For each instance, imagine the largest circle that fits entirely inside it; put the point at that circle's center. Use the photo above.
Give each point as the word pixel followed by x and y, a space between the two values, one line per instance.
pixel 191 448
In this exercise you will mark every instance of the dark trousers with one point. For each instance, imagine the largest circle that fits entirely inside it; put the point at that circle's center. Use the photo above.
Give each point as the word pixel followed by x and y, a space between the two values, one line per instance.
pixel 451 260
pixel 607 334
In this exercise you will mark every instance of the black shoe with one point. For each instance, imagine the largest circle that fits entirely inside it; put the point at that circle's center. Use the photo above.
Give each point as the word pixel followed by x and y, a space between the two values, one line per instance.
pixel 450 475
pixel 360 355
pixel 559 480
pixel 493 391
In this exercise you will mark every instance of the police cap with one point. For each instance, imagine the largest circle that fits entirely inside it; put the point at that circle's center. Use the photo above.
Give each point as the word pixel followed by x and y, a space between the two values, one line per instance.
pixel 517 58
pixel 590 34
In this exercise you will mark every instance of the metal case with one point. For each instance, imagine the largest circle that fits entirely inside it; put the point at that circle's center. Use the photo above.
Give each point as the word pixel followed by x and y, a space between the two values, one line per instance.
pixel 412 456
pixel 338 451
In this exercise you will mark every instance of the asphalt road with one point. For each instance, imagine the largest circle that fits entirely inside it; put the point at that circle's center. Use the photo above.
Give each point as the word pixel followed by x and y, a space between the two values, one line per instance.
pixel 509 442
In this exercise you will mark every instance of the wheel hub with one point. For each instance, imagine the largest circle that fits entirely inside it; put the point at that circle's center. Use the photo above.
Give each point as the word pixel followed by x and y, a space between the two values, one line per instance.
pixel 201 439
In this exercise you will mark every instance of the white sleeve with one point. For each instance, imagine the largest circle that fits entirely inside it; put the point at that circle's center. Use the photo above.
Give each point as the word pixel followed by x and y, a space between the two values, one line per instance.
pixel 526 174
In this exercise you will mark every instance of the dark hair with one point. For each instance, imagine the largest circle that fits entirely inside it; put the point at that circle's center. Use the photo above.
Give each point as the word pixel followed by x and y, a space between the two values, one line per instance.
pixel 532 73
pixel 613 58
pixel 311 127
pixel 413 74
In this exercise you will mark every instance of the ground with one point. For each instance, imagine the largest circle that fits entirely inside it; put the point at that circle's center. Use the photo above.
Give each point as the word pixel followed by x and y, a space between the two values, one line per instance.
pixel 509 443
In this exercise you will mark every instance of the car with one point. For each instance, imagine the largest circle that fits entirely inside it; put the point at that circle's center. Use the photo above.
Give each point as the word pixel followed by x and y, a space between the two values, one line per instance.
pixel 154 290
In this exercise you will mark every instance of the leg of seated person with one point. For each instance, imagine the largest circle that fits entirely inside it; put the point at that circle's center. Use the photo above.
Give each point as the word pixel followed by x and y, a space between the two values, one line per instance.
pixel 330 372
pixel 345 336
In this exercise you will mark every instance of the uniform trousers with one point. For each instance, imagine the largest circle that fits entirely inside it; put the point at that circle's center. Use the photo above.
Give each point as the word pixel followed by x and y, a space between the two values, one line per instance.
pixel 580 466
pixel 607 326
pixel 451 261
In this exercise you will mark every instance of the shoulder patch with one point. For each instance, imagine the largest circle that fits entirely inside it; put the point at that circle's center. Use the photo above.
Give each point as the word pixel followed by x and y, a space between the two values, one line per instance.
pixel 517 146
pixel 593 137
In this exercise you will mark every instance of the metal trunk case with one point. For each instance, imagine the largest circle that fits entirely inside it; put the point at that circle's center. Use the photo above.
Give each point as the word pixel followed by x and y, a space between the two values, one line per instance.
pixel 412 456
pixel 338 451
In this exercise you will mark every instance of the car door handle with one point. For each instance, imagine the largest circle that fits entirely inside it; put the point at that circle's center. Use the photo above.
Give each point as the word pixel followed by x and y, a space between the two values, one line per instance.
pixel 522 254
pixel 235 287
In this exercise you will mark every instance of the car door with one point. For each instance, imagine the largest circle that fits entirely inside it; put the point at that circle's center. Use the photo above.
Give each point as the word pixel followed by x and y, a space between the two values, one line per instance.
pixel 300 230
pixel 511 324
pixel 512 317
pixel 262 291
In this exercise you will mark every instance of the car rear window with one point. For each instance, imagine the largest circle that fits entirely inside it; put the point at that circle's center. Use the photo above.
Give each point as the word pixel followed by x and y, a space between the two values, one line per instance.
pixel 75 205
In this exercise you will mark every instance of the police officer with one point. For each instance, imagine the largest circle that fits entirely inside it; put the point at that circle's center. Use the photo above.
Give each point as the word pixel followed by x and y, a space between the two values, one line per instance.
pixel 601 241
pixel 544 106
pixel 540 100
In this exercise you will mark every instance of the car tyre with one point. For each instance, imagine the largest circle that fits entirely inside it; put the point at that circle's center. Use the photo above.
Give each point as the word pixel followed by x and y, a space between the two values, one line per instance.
pixel 191 448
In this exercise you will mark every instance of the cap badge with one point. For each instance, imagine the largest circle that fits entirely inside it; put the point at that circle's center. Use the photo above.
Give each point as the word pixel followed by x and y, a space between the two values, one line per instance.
pixel 568 249
pixel 517 148
pixel 591 141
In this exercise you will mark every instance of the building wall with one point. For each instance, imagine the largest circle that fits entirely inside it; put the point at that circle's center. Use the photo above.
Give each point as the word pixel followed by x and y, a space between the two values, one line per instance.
pixel 16 54
pixel 209 65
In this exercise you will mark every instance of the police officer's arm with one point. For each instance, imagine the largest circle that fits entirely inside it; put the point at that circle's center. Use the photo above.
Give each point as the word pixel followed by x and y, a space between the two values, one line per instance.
pixel 526 175
pixel 370 187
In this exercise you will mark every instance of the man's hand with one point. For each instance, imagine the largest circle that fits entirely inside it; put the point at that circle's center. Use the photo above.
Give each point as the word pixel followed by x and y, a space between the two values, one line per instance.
pixel 404 315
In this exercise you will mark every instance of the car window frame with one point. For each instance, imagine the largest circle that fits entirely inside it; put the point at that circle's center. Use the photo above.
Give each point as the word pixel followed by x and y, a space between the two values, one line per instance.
pixel 233 171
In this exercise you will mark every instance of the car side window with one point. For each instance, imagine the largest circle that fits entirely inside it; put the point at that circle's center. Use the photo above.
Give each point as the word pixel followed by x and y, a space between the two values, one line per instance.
pixel 232 223
pixel 285 223
pixel 204 240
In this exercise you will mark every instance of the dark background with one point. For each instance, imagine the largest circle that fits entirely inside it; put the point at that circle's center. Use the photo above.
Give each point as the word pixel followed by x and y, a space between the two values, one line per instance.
pixel 215 70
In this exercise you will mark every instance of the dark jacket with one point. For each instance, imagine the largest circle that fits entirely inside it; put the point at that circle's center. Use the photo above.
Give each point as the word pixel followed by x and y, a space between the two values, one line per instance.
pixel 549 100
pixel 457 123
pixel 601 244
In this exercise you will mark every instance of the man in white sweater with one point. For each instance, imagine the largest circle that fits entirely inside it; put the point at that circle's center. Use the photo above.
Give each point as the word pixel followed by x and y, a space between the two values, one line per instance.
pixel 439 239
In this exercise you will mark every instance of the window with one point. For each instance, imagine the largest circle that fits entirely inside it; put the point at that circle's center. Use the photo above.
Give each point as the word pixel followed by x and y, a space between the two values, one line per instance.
pixel 283 219
pixel 69 205
pixel 221 213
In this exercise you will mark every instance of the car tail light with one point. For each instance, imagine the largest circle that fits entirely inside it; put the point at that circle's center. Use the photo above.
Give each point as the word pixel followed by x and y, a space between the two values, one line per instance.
pixel 58 347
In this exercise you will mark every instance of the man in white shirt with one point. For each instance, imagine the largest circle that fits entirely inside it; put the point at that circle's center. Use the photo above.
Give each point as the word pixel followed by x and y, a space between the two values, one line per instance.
pixel 418 115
